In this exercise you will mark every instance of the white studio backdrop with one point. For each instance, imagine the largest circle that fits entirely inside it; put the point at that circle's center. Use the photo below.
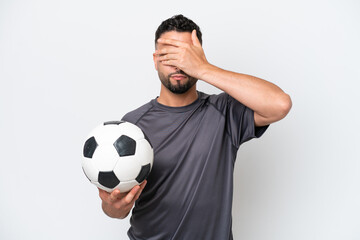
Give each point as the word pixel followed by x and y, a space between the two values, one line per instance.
pixel 66 66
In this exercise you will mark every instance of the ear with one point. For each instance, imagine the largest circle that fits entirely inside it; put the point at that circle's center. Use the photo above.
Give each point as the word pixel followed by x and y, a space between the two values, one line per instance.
pixel 155 61
pixel 195 39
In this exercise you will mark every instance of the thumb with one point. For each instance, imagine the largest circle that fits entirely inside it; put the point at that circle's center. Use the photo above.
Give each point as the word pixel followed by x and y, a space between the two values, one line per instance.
pixel 130 196
pixel 195 39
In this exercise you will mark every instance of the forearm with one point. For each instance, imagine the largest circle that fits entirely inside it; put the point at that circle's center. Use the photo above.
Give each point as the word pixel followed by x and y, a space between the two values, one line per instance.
pixel 268 101
pixel 265 98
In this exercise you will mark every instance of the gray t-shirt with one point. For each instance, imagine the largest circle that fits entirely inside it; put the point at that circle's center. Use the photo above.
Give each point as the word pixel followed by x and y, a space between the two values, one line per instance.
pixel 190 188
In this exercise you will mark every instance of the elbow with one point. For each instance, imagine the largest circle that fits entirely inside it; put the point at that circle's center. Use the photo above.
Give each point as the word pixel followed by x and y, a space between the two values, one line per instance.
pixel 284 106
pixel 279 109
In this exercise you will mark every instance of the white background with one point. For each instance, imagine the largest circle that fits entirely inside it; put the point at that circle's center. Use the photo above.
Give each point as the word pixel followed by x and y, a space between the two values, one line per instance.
pixel 66 66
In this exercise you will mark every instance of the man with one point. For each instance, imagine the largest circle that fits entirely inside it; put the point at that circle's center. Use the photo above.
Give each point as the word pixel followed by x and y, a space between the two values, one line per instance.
pixel 195 136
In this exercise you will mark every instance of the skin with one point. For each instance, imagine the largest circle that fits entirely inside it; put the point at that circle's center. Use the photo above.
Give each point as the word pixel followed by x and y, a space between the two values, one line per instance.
pixel 117 204
pixel 180 58
pixel 176 50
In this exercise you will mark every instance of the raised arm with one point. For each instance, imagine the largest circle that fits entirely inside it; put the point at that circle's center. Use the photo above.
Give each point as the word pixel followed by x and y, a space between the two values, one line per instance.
pixel 267 100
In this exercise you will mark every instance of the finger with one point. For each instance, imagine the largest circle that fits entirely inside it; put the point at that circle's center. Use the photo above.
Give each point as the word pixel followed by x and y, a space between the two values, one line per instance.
pixel 195 39
pixel 103 194
pixel 166 51
pixel 168 57
pixel 171 42
pixel 169 63
pixel 115 195
pixel 142 186
pixel 130 196
pixel 137 195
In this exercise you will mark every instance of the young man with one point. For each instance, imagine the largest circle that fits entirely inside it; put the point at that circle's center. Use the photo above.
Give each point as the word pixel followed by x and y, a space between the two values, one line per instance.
pixel 195 136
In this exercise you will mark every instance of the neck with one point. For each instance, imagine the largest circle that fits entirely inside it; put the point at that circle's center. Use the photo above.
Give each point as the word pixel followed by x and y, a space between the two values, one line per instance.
pixel 170 99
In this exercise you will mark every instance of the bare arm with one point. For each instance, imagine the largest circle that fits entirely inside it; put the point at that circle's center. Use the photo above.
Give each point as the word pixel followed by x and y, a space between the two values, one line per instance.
pixel 267 100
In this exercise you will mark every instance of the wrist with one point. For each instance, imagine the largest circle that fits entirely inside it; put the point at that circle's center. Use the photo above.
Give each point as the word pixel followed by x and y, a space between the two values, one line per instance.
pixel 207 71
pixel 113 212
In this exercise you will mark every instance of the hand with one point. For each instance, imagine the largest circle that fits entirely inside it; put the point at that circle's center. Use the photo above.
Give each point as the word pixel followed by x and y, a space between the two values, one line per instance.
pixel 189 57
pixel 117 204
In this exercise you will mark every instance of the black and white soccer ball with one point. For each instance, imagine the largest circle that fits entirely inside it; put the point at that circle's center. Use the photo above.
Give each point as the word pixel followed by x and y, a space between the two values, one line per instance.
pixel 117 155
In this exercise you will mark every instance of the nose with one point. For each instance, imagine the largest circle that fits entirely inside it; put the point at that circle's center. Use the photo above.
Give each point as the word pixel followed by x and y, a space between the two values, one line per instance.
pixel 175 69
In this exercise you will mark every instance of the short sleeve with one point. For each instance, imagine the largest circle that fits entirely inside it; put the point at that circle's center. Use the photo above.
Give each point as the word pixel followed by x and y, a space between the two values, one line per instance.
pixel 239 120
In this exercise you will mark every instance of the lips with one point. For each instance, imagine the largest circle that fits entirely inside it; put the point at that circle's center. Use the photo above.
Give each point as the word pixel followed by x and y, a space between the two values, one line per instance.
pixel 178 76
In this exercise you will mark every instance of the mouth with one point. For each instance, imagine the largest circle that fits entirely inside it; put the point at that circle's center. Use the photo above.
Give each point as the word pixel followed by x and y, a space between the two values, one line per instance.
pixel 178 76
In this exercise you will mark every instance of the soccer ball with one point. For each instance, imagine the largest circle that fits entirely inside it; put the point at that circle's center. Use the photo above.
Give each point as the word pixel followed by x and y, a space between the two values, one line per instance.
pixel 117 155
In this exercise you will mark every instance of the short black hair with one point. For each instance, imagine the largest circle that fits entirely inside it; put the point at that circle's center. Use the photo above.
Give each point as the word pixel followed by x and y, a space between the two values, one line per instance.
pixel 178 23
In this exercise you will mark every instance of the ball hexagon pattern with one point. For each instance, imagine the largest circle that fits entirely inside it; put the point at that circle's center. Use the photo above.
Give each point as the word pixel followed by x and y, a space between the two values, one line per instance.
pixel 117 155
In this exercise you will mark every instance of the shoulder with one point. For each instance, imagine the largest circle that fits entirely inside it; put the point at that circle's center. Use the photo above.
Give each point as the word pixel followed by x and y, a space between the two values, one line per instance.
pixel 135 115
pixel 218 99
pixel 223 101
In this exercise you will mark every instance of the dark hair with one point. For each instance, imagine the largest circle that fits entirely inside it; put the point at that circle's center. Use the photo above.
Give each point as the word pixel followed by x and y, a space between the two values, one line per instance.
pixel 178 23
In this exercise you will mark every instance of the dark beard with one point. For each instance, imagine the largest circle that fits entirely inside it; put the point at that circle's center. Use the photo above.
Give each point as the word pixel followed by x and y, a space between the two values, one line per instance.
pixel 178 88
